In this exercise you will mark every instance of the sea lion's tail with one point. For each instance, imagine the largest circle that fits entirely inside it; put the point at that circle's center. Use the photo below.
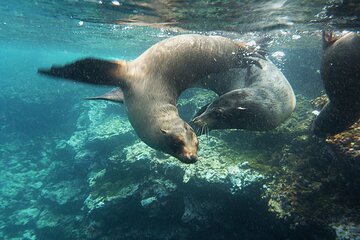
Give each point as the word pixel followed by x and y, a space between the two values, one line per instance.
pixel 89 70
pixel 328 38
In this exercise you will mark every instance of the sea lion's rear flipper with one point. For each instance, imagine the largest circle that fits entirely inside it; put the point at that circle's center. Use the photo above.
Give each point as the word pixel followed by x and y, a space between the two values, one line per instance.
pixel 328 38
pixel 88 70
pixel 115 95
pixel 249 57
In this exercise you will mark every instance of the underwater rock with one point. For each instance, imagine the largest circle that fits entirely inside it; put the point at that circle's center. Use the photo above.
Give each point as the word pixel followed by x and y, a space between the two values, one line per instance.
pixel 29 235
pixel 148 201
pixel 25 216
pixel 97 125
pixel 283 182
pixel 197 211
pixel 63 192
pixel 48 219
pixel 154 185
pixel 217 167
pixel 345 144
pixel 349 231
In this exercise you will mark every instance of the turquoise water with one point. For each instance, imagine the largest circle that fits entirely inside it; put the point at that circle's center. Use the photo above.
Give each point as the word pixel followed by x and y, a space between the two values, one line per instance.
pixel 74 169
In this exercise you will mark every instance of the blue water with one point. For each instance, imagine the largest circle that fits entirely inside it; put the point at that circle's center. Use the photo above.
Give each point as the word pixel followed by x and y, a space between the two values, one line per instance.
pixel 37 114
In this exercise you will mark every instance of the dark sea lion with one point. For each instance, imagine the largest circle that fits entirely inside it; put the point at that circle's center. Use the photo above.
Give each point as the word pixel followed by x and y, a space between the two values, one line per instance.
pixel 340 73
pixel 255 99
pixel 152 82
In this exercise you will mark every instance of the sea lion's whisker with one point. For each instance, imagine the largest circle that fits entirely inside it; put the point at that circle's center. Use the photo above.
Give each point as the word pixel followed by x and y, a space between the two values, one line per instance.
pixel 207 131
pixel 202 129
pixel 197 130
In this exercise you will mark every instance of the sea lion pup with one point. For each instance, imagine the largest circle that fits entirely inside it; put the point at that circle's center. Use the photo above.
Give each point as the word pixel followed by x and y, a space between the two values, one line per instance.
pixel 152 82
pixel 340 73
pixel 255 99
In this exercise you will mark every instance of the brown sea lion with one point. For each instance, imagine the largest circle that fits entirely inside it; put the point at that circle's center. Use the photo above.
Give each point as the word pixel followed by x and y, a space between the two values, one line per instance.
pixel 340 73
pixel 152 82
pixel 256 98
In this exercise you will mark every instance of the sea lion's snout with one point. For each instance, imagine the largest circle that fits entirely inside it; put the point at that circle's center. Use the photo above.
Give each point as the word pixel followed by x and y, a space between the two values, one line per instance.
pixel 181 142
pixel 198 122
pixel 204 120
pixel 203 123
pixel 189 150
pixel 188 158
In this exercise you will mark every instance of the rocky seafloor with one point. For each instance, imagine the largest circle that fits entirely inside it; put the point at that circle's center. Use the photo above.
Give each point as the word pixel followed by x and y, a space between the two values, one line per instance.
pixel 99 181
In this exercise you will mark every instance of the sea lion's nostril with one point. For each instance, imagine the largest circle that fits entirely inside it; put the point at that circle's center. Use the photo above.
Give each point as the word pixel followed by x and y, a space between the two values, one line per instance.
pixel 189 158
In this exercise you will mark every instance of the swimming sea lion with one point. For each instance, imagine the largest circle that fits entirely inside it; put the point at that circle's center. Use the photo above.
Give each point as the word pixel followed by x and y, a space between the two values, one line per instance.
pixel 340 73
pixel 152 82
pixel 255 98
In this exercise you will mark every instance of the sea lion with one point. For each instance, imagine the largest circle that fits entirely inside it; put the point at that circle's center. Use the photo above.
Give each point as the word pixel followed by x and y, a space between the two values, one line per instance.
pixel 152 82
pixel 255 98
pixel 340 73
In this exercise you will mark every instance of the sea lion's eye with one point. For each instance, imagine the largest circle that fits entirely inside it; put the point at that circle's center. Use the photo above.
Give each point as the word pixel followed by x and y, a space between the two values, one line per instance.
pixel 164 131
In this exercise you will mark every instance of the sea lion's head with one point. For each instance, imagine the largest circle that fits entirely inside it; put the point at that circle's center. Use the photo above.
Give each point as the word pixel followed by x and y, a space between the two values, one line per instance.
pixel 216 115
pixel 231 110
pixel 180 141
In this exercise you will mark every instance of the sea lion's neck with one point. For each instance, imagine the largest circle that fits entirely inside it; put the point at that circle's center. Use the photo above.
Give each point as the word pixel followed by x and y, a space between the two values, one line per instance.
pixel 168 117
pixel 148 115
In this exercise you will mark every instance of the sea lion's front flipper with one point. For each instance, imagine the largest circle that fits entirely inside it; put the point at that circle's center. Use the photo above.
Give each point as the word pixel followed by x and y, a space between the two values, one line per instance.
pixel 333 120
pixel 89 70
pixel 115 95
